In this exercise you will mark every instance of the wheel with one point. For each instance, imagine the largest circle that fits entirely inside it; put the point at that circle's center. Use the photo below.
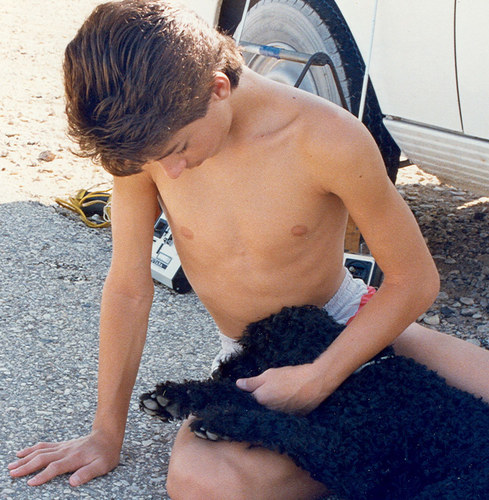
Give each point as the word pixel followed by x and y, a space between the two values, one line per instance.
pixel 312 26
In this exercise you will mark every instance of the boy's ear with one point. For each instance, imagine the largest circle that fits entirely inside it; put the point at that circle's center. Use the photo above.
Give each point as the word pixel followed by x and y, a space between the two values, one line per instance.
pixel 221 87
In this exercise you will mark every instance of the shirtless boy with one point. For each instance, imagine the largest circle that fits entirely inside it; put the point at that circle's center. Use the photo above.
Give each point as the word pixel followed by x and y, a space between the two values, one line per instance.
pixel 257 179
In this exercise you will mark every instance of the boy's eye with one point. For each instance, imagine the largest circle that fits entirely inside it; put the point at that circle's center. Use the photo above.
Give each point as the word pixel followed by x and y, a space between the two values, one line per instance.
pixel 182 150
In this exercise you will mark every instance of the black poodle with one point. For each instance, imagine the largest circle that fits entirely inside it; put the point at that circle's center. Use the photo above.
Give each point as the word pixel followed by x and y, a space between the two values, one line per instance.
pixel 393 430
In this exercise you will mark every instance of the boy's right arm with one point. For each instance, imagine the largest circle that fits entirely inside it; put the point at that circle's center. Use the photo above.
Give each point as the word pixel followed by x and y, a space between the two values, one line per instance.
pixel 126 302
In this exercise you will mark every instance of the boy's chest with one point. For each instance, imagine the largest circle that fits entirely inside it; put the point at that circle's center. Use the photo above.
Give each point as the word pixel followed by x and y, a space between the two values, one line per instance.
pixel 271 207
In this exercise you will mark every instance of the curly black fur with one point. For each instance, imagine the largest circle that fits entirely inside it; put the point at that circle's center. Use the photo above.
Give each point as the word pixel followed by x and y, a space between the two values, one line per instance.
pixel 394 430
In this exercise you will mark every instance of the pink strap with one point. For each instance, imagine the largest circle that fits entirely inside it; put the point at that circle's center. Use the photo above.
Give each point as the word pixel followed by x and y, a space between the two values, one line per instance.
pixel 365 298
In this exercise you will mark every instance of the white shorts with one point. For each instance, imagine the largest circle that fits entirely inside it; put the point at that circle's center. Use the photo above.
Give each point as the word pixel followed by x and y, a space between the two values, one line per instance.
pixel 344 304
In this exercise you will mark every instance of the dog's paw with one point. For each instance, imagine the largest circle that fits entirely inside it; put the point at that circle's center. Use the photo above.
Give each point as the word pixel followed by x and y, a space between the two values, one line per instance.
pixel 157 405
pixel 198 427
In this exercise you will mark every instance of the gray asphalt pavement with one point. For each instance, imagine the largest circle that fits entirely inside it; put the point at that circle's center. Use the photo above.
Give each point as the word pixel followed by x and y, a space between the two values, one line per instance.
pixel 51 279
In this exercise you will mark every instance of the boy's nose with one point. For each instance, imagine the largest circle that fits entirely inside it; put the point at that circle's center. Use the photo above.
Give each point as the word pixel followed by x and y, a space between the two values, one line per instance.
pixel 173 168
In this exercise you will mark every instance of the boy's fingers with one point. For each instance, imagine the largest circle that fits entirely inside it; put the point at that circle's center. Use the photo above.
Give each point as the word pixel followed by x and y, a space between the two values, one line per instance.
pixel 87 457
pixel 39 446
pixel 88 472
pixel 248 384
pixel 31 464
pixel 51 471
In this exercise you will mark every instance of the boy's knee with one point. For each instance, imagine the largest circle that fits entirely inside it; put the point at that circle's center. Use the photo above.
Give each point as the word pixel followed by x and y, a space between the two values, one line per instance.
pixel 182 485
pixel 192 478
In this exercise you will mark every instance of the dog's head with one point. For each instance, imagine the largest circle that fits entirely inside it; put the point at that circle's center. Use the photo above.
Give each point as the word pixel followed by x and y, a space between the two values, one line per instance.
pixel 295 332
pixel 295 335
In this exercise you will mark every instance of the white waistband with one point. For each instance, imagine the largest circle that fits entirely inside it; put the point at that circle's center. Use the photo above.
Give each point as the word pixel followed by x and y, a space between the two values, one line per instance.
pixel 345 302
pixel 228 347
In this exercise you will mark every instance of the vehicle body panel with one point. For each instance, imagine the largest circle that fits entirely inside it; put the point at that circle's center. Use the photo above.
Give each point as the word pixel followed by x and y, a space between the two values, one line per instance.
pixel 456 159
pixel 473 65
pixel 207 9
pixel 412 68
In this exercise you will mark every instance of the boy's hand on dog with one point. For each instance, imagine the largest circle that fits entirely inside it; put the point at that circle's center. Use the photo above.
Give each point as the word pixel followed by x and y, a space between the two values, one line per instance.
pixel 89 456
pixel 291 389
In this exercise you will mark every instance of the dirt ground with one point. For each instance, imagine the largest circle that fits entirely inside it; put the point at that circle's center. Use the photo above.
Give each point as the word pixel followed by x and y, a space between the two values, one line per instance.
pixel 32 122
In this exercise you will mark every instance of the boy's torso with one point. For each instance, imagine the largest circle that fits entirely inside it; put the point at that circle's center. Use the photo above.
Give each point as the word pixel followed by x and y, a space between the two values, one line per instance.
pixel 253 228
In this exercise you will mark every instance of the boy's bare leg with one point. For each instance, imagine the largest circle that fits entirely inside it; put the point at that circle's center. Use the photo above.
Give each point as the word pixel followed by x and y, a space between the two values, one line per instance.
pixel 201 469
pixel 461 363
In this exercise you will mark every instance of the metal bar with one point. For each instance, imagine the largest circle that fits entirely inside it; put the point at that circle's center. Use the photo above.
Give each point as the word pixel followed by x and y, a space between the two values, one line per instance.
pixel 268 51
pixel 322 59
pixel 317 59
pixel 237 36
pixel 363 97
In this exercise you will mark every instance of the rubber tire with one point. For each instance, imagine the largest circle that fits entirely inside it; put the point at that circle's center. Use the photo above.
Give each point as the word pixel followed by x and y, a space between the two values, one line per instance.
pixel 311 26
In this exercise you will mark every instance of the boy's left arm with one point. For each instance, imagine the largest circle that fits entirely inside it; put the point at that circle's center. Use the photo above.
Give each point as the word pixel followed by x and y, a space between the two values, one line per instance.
pixel 410 283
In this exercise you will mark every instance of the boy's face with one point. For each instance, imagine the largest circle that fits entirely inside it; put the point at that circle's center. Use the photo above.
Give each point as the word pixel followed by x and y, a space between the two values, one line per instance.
pixel 198 141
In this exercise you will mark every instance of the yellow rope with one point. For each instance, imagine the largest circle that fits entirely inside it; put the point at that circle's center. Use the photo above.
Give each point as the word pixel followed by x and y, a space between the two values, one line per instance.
pixel 85 199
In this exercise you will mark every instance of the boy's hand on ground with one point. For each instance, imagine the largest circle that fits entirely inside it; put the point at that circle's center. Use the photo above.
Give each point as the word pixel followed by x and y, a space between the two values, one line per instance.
pixel 292 389
pixel 88 457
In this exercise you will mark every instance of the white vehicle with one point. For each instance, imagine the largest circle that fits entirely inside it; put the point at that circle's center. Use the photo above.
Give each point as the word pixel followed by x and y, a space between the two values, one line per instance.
pixel 428 92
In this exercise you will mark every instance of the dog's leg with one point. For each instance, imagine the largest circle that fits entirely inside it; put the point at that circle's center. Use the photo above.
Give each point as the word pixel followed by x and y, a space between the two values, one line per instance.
pixel 258 426
pixel 173 400
pixel 276 431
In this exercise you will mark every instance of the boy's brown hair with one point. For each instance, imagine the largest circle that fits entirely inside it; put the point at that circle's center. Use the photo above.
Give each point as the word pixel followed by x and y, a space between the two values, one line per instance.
pixel 136 73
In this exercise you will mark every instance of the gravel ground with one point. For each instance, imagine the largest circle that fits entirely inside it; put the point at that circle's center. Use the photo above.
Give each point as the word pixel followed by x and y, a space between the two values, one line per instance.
pixel 455 224
pixel 54 266
pixel 52 276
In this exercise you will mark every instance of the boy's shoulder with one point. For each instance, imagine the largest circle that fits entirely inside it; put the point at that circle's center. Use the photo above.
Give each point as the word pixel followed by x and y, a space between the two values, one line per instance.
pixel 320 120
pixel 336 147
pixel 314 116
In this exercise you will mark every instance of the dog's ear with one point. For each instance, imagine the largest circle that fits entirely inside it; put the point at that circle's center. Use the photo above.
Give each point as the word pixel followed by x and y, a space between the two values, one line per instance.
pixel 292 329
pixel 253 334
pixel 260 334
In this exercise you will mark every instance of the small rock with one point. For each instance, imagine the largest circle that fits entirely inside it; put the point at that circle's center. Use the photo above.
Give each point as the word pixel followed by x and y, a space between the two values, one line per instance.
pixel 467 301
pixel 447 312
pixel 483 329
pixel 432 320
pixel 47 156
pixel 484 258
pixel 426 219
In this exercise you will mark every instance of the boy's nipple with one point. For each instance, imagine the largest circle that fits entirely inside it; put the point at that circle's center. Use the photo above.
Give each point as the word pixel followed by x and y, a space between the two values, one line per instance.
pixel 299 230
pixel 187 233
